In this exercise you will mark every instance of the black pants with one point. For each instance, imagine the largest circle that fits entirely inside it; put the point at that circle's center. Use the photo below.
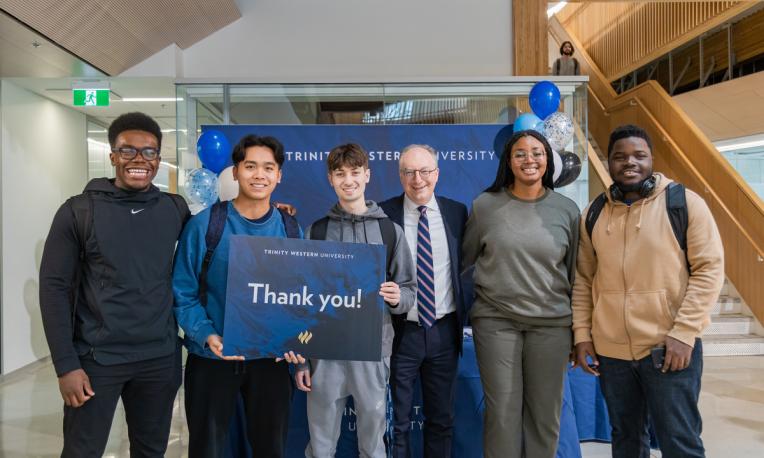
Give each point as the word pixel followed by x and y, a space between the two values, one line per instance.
pixel 147 389
pixel 211 390
pixel 430 355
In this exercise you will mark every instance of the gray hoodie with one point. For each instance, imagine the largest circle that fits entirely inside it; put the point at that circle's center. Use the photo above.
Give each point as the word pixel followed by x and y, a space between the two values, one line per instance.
pixel 346 227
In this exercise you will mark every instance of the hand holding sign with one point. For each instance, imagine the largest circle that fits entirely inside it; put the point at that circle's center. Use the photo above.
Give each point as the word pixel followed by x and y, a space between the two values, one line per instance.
pixel 215 342
pixel 390 292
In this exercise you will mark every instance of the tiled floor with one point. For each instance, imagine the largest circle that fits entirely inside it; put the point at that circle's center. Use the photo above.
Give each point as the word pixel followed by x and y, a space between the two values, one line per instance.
pixel 732 404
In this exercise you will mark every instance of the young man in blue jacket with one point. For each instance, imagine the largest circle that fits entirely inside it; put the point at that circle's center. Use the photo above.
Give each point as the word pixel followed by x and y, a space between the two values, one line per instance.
pixel 213 381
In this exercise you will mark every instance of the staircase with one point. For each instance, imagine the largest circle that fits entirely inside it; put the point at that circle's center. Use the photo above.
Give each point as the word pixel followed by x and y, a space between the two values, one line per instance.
pixel 733 331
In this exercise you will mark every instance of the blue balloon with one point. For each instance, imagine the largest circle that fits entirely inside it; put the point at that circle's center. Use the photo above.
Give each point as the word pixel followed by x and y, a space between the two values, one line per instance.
pixel 202 187
pixel 544 98
pixel 214 151
pixel 526 121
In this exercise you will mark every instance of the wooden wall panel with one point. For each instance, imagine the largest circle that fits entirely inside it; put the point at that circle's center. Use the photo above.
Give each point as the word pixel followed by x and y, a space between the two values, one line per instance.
pixel 530 29
pixel 621 37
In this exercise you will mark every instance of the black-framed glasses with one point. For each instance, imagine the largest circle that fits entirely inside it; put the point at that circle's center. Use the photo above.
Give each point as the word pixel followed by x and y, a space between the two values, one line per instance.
pixel 129 152
pixel 424 173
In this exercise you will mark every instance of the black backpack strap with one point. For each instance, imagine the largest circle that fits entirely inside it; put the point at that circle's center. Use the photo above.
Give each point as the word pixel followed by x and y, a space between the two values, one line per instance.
pixel 218 215
pixel 594 212
pixel 82 210
pixel 387 228
pixel 181 206
pixel 676 207
pixel 556 67
pixel 290 224
pixel 318 229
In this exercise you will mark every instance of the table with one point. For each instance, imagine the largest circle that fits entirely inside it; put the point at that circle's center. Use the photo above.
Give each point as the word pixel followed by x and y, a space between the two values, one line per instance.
pixel 584 417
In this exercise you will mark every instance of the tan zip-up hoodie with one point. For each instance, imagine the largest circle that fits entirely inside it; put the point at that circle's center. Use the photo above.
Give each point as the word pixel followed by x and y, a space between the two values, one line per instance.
pixel 632 287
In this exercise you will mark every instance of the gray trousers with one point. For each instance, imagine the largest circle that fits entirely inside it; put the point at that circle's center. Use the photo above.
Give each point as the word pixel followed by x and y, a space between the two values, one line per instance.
pixel 522 368
pixel 331 384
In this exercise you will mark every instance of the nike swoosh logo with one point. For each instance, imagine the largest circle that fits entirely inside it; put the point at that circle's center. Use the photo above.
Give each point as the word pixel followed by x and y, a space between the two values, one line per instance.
pixel 135 212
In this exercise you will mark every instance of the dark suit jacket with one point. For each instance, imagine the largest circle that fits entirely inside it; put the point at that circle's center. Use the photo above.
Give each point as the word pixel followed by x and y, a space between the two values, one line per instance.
pixel 454 219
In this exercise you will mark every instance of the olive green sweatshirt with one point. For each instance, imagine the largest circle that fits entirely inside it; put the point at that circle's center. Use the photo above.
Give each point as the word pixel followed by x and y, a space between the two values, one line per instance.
pixel 525 255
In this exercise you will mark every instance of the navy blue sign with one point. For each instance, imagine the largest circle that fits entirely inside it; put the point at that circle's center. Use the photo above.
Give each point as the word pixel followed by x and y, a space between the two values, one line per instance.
pixel 318 298
pixel 467 157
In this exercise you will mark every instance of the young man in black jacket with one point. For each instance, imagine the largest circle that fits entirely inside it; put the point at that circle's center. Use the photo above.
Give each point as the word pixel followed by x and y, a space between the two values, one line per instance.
pixel 106 299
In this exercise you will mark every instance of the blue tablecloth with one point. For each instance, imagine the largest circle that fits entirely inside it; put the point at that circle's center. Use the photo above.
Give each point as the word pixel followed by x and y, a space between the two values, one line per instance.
pixel 584 417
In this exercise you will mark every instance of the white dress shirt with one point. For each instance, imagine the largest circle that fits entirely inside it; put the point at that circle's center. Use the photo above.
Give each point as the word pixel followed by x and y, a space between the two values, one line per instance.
pixel 444 292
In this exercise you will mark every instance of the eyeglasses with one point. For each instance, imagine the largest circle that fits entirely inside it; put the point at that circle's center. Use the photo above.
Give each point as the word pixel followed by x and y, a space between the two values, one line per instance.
pixel 129 152
pixel 521 156
pixel 424 173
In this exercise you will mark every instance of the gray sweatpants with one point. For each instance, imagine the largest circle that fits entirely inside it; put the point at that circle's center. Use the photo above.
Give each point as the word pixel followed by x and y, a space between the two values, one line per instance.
pixel 522 368
pixel 331 384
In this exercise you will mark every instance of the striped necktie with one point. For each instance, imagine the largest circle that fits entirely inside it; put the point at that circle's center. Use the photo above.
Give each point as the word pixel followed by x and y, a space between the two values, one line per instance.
pixel 424 272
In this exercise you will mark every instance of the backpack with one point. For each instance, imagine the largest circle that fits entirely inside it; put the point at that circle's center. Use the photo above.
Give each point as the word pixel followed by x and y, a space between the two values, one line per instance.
pixel 218 215
pixel 386 227
pixel 82 210
pixel 676 208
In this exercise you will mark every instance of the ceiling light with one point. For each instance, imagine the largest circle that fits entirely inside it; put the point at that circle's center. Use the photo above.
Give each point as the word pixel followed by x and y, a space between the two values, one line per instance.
pixel 152 99
pixel 555 9
pixel 742 145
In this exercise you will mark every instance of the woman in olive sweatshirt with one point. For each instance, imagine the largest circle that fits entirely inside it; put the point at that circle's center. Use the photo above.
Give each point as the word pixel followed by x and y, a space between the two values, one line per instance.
pixel 522 237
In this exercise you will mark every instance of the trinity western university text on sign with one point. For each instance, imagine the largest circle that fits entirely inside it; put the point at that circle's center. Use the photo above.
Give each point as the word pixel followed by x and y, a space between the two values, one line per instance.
pixel 90 97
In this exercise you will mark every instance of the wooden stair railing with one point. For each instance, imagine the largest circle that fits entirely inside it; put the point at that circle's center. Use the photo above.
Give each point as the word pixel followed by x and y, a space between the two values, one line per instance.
pixel 684 153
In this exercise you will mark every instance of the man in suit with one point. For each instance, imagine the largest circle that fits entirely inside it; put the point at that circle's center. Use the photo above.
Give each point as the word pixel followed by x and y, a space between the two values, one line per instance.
pixel 428 340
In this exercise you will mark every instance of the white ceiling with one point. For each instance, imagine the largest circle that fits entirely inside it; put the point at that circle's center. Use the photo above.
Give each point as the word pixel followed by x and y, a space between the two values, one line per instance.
pixel 727 110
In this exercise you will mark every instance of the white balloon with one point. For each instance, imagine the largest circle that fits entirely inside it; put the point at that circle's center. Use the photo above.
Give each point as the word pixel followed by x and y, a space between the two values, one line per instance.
pixel 228 188
pixel 557 165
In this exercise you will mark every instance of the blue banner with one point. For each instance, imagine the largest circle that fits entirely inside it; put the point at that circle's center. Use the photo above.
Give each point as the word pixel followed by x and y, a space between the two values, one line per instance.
pixel 467 158
pixel 318 298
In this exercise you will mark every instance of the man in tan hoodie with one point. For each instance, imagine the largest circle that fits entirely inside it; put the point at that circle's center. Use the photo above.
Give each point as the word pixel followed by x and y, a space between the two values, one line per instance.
pixel 637 290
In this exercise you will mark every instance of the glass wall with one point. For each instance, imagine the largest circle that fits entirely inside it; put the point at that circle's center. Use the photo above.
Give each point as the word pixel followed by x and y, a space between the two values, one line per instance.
pixel 747 157
pixel 371 104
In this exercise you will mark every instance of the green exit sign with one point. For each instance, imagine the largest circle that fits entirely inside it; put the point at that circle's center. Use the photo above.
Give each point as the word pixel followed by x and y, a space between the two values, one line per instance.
pixel 91 97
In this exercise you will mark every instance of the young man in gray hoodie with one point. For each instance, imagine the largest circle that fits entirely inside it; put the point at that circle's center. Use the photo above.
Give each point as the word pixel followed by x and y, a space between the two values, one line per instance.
pixel 328 383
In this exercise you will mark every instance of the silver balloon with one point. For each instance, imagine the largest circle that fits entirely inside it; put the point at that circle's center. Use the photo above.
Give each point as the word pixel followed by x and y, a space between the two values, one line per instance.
pixel 558 130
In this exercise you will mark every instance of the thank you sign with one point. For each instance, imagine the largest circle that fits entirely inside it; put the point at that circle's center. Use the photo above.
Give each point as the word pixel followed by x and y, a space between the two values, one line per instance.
pixel 318 298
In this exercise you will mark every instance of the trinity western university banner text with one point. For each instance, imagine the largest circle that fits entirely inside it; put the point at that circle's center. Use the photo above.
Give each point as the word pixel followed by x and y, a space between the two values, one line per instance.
pixel 318 298
pixel 467 157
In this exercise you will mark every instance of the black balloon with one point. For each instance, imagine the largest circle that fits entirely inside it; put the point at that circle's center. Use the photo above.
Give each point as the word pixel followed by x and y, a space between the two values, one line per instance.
pixel 571 168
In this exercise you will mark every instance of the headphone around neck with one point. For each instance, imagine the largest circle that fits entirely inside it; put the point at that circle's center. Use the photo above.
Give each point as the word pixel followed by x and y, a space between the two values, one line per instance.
pixel 645 189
